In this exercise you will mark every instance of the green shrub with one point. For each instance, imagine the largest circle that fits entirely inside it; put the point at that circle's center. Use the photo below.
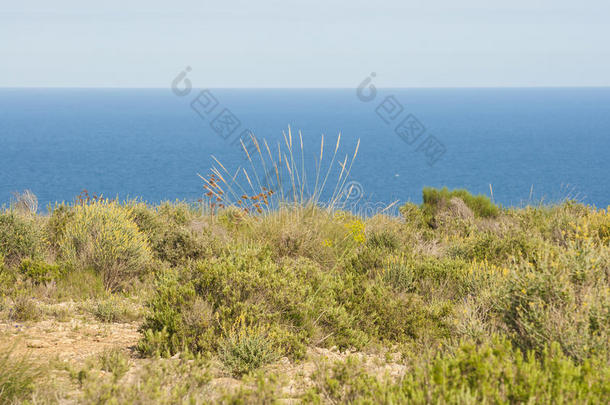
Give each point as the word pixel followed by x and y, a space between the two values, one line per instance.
pixel 489 373
pixel 170 236
pixel 367 260
pixel 413 215
pixel 441 277
pixel 114 361
pixel 39 272
pixel 60 216
pixel 384 240
pixel 435 200
pixel 558 298
pixel 8 278
pixel 399 274
pixel 497 248
pixel 102 236
pixel 114 309
pixel 296 301
pixel 19 238
pixel 246 348
pixel 157 343
pixel 177 245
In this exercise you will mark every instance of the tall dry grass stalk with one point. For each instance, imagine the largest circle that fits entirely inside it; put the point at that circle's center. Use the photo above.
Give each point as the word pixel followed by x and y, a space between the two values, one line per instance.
pixel 25 202
pixel 280 181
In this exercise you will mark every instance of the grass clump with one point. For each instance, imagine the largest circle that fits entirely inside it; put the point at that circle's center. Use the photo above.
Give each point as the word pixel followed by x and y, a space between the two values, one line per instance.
pixel 114 361
pixel 103 236
pixel 162 382
pixel 24 309
pixel 114 309
pixel 435 200
pixel 246 348
pixel 17 377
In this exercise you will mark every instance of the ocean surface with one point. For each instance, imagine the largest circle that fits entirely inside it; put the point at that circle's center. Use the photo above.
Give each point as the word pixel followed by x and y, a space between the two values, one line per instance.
pixel 530 145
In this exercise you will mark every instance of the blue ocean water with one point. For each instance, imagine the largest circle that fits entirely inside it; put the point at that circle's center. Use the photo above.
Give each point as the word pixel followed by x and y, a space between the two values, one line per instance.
pixel 529 144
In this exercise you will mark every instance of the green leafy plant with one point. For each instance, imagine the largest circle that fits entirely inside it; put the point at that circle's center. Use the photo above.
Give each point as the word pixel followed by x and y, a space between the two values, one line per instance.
pixel 19 238
pixel 246 348
pixel 103 236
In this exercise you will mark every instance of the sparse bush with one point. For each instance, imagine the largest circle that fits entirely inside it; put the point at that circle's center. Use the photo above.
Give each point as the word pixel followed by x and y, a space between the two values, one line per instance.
pixel 246 348
pixel 79 284
pixel 383 239
pixel 114 361
pixel 19 238
pixel 160 382
pixel 102 236
pixel 26 202
pixel 24 309
pixel 114 309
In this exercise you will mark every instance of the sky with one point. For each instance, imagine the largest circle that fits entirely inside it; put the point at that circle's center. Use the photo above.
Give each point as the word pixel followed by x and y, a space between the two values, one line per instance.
pixel 312 43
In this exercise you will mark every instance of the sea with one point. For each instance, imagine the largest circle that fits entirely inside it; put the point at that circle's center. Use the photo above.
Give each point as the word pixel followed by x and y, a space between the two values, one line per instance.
pixel 518 146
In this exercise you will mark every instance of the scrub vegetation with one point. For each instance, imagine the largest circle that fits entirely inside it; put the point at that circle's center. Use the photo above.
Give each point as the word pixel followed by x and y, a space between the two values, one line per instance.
pixel 455 300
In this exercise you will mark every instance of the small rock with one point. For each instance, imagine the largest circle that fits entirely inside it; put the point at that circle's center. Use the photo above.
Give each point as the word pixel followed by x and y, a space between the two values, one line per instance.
pixel 37 344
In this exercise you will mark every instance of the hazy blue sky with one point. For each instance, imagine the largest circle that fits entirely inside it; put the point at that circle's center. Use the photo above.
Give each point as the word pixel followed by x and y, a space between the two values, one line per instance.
pixel 312 43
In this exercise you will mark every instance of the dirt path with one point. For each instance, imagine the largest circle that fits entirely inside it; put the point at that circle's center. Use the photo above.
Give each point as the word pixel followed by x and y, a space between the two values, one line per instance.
pixel 74 340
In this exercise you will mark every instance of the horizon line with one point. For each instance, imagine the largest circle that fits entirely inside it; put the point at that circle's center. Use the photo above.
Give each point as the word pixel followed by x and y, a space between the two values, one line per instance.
pixel 299 87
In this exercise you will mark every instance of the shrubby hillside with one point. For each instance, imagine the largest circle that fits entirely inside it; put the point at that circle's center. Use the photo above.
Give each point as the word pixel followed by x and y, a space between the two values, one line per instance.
pixel 456 300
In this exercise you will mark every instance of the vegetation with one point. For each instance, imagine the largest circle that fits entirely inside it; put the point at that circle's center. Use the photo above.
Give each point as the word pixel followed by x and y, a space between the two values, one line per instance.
pixel 17 376
pixel 505 305
pixel 103 236
pixel 259 295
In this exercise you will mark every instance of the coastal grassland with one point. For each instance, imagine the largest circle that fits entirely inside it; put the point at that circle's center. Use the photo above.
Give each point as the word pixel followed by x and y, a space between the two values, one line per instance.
pixel 456 300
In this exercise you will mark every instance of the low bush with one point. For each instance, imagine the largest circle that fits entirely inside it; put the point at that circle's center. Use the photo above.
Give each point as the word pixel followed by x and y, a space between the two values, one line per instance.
pixel 169 232
pixel 294 300
pixel 19 238
pixel 40 272
pixel 246 348
pixel 114 309
pixel 103 236
pixel 487 245
pixel 493 372
pixel 560 298
pixel 174 381
pixel 114 361
pixel 24 308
